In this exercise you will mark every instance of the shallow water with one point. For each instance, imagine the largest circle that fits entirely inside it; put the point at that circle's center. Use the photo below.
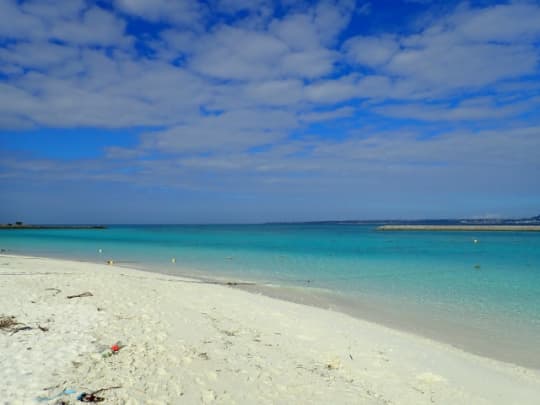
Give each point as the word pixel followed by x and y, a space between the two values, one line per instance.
pixel 483 297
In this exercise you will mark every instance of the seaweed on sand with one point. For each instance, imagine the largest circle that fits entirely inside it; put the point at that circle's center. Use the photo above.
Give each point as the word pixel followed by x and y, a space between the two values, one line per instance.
pixel 8 322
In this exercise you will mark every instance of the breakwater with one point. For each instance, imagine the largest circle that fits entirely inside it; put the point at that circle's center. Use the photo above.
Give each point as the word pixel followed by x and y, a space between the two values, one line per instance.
pixel 511 228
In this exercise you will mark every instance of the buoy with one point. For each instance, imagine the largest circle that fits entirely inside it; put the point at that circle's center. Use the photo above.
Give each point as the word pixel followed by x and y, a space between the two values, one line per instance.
pixel 475 240
pixel 173 260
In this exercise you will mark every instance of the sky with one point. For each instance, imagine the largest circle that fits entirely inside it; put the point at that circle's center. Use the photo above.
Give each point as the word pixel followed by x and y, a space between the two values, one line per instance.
pixel 241 111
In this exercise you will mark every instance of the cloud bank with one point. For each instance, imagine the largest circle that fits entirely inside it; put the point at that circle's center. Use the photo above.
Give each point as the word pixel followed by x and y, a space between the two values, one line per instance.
pixel 282 97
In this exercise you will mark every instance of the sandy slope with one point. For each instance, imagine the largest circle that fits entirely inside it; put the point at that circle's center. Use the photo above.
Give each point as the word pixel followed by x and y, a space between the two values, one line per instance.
pixel 190 342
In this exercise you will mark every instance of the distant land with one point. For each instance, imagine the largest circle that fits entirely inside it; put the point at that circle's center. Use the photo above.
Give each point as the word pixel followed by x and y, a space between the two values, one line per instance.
pixel 531 221
pixel 21 225
pixel 464 221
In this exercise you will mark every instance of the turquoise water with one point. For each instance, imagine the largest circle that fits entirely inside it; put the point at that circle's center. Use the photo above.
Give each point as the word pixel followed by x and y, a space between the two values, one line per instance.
pixel 484 297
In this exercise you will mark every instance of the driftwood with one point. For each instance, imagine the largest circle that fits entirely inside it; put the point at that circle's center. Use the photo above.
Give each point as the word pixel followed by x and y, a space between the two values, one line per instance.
pixel 56 290
pixel 10 324
pixel 21 328
pixel 93 397
pixel 84 294
pixel 107 389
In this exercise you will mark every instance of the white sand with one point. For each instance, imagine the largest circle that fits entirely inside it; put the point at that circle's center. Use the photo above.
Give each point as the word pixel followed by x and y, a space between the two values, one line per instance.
pixel 188 342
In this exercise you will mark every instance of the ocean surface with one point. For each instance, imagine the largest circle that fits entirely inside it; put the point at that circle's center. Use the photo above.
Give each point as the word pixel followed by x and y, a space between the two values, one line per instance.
pixel 483 297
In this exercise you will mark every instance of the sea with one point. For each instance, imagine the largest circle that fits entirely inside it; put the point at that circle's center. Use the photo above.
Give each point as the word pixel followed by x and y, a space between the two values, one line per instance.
pixel 477 291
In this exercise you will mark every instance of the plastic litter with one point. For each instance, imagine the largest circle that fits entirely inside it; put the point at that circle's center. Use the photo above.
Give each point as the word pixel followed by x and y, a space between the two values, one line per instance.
pixel 114 349
pixel 85 397
pixel 64 392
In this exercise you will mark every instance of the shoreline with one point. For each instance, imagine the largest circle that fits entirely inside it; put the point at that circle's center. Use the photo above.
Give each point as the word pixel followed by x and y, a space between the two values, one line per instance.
pixel 198 342
pixel 420 324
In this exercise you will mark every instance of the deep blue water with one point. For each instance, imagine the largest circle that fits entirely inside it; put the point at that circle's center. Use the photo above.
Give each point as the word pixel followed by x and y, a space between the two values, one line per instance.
pixel 491 288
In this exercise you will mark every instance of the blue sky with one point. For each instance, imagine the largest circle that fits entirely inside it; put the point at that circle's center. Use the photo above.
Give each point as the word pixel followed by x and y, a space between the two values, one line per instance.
pixel 157 111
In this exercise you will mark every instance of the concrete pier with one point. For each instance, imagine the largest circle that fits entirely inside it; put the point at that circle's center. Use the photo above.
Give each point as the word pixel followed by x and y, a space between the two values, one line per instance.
pixel 476 228
pixel 11 226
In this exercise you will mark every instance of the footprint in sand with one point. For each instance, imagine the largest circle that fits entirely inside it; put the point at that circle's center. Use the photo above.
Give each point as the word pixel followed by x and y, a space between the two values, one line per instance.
pixel 430 378
pixel 161 372
pixel 208 396
pixel 427 380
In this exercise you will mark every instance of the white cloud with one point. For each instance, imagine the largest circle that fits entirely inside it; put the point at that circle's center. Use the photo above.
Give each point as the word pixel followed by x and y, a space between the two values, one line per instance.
pixel 309 64
pixel 446 65
pixel 233 53
pixel 14 23
pixel 317 116
pixel 506 23
pixel 211 90
pixel 65 21
pixel 331 91
pixel 96 27
pixel 384 87
pixel 182 12
pixel 479 108
pixel 298 31
pixel 224 132
pixel 106 91
pixel 452 161
pixel 240 54
pixel 276 92
pixel 240 85
pixel 174 43
pixel 53 9
pixel 370 51
pixel 333 16
pixel 39 55
pixel 234 6
pixel 493 148
pixel 454 52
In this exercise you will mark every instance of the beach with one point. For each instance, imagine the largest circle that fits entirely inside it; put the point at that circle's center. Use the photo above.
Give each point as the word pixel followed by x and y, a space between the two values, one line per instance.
pixel 184 340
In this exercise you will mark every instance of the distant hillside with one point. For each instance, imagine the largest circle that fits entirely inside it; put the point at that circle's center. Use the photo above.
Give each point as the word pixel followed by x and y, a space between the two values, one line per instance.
pixel 464 221
pixel 521 221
